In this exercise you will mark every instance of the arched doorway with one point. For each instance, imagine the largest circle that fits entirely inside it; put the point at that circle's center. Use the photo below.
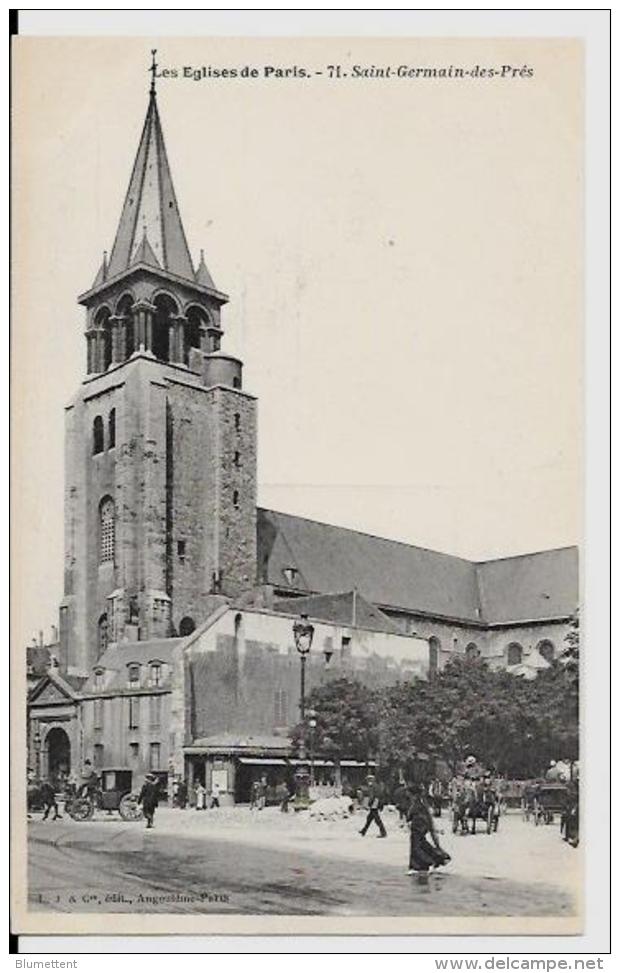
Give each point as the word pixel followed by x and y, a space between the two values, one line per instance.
pixel 58 748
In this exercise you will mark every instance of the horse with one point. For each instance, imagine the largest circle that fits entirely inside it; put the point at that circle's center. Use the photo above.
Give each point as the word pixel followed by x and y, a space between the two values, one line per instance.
pixel 484 805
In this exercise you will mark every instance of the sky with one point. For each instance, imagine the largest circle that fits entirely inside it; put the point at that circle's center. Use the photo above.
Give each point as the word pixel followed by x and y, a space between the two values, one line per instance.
pixel 403 259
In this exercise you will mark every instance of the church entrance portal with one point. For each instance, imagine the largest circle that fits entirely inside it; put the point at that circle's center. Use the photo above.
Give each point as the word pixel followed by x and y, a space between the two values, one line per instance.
pixel 58 752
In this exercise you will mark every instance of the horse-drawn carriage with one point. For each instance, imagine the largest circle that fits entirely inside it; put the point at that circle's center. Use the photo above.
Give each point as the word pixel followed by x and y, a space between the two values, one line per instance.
pixel 113 794
pixel 549 799
pixel 475 802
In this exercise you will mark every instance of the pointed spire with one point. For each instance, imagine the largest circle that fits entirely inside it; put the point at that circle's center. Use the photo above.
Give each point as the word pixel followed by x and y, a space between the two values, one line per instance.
pixel 151 203
pixel 102 273
pixel 202 274
pixel 144 252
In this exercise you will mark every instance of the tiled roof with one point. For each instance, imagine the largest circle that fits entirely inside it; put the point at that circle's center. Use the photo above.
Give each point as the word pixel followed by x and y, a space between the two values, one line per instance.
pixel 326 558
pixel 329 558
pixel 121 654
pixel 531 586
pixel 350 608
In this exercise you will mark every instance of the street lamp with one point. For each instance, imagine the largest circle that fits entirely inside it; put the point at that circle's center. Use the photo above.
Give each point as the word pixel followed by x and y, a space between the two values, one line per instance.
pixel 303 632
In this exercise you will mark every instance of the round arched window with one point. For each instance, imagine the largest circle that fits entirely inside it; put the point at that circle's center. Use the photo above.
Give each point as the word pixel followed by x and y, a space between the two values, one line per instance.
pixel 547 650
pixel 186 626
pixel 106 530
pixel 514 654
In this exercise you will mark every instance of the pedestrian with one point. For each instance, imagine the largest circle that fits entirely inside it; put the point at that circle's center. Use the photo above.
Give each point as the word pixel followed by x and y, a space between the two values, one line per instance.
pixel 254 794
pixel 48 797
pixel 375 805
pixel 423 854
pixel 90 781
pixel 201 795
pixel 261 793
pixel 215 794
pixel 149 798
pixel 182 795
pixel 284 796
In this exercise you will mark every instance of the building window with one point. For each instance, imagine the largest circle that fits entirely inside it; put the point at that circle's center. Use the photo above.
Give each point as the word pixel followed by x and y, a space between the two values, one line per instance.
pixel 472 651
pixel 434 647
pixel 280 707
pixel 155 674
pixel 236 382
pixel 345 647
pixel 97 435
pixel 134 752
pixel 106 530
pixel 235 498
pixel 290 575
pixel 514 654
pixel 154 756
pixel 155 712
pixel 547 650
pixel 133 674
pixel 112 429
pixel 102 633
pixel 186 626
pixel 181 550
pixel 98 756
pixel 134 712
pixel 99 675
pixel 237 421
pixel 98 714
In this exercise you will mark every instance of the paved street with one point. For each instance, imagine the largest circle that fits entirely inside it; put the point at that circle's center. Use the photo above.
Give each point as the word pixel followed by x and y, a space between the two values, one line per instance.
pixel 238 861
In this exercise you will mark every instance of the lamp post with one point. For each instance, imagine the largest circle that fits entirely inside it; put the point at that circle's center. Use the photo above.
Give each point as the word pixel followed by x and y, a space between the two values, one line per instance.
pixel 303 632
pixel 37 753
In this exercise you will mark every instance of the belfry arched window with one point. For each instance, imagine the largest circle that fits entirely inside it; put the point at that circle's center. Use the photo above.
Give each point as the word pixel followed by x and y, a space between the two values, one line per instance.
pixel 163 321
pixel 125 314
pixel 472 651
pixel 97 435
pixel 197 321
pixel 107 530
pixel 104 327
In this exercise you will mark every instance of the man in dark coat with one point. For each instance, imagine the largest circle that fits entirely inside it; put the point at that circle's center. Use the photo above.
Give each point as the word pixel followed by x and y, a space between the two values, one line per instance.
pixel 48 797
pixel 375 804
pixel 149 798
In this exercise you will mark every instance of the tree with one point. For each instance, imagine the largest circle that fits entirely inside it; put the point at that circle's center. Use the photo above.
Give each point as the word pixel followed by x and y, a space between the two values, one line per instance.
pixel 346 720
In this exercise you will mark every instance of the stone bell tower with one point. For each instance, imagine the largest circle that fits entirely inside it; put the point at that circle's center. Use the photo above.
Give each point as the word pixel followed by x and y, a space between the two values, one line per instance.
pixel 160 444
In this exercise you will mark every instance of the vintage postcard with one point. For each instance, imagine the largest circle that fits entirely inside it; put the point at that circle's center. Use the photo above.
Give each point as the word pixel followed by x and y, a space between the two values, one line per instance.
pixel 297 411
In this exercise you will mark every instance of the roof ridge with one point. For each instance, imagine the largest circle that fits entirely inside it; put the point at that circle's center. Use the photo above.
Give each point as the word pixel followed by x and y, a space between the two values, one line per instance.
pixel 364 533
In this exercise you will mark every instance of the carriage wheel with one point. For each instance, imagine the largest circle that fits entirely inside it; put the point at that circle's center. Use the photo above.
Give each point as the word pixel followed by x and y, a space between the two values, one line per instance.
pixel 81 809
pixel 129 809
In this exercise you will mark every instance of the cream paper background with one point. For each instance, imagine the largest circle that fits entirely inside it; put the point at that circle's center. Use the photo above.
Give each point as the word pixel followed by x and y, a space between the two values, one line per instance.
pixel 404 259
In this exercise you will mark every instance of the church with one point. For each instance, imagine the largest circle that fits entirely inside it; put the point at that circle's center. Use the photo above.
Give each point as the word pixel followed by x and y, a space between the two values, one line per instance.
pixel 175 650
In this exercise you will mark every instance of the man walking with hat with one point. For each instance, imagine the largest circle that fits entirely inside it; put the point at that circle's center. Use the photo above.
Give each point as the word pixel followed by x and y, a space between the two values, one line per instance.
pixel 149 798
pixel 375 804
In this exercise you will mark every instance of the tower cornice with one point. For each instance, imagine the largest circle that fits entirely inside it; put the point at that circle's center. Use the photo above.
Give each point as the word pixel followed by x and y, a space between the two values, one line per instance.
pixel 88 297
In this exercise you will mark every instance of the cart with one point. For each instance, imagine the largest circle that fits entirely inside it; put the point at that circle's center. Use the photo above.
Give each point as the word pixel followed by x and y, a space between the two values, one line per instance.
pixel 549 799
pixel 114 794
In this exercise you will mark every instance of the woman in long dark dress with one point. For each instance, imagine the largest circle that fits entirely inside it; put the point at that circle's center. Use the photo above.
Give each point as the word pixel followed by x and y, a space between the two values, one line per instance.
pixel 423 854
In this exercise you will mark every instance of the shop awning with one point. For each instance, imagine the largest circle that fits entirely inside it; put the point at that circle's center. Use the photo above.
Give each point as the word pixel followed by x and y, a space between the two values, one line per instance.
pixel 295 762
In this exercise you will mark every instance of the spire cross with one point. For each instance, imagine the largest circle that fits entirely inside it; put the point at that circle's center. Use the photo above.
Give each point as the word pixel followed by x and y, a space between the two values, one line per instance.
pixel 153 69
